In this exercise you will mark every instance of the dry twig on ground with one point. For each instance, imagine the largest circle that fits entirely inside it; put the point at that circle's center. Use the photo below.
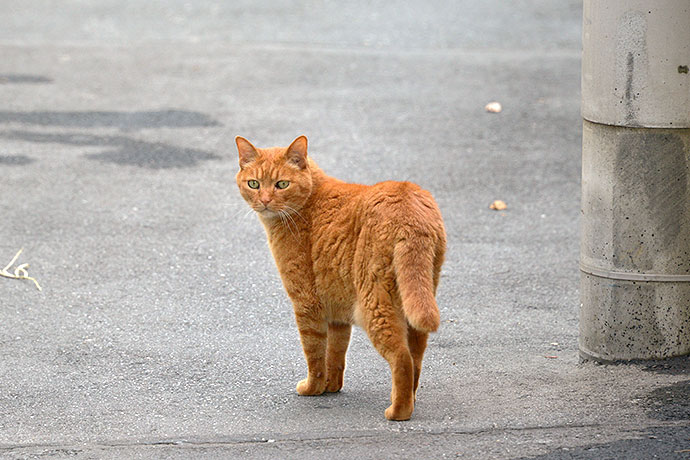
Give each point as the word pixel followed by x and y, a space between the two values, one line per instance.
pixel 20 272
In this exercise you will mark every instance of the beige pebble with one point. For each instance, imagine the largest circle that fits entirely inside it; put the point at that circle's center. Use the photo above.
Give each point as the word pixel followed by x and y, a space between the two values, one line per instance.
pixel 493 107
pixel 498 205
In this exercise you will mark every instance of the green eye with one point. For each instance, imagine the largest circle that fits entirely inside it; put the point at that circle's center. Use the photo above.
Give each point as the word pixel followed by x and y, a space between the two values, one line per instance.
pixel 253 184
pixel 281 184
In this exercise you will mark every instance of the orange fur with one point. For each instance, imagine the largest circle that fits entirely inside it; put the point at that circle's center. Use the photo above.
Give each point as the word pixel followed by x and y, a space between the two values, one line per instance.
pixel 349 254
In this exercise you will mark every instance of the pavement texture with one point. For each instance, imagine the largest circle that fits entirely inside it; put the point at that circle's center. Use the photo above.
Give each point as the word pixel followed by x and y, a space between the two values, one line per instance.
pixel 162 330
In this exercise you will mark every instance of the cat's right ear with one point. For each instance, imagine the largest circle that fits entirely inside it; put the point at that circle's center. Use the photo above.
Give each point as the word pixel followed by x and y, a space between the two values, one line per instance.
pixel 247 151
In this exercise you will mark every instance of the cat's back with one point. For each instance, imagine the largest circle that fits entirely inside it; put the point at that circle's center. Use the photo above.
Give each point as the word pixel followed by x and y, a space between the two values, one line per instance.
pixel 356 226
pixel 345 215
pixel 388 203
pixel 402 205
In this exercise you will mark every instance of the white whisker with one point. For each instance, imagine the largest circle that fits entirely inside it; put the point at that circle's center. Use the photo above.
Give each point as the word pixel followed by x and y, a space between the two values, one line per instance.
pixel 238 212
pixel 287 220
pixel 287 215
pixel 294 211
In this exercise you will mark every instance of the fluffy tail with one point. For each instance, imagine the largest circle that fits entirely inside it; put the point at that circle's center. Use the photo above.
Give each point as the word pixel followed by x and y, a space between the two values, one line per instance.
pixel 414 272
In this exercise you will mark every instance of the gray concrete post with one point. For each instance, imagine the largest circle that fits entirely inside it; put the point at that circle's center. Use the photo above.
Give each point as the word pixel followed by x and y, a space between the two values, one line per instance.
pixel 635 227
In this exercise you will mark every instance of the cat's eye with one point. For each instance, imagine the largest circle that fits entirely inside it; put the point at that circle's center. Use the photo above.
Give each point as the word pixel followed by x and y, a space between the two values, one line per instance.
pixel 253 184
pixel 281 184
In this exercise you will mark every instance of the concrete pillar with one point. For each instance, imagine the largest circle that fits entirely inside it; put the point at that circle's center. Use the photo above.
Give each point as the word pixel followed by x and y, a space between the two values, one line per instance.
pixel 635 227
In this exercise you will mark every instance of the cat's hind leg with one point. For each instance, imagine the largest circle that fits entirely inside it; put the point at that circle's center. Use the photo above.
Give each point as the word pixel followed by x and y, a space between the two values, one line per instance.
pixel 387 329
pixel 417 342
pixel 417 339
pixel 338 341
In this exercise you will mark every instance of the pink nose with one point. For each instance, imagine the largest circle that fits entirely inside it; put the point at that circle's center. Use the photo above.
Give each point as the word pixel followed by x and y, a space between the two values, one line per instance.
pixel 265 200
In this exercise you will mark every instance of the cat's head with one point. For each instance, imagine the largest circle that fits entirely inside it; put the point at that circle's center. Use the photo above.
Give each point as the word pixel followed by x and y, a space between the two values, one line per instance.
pixel 275 180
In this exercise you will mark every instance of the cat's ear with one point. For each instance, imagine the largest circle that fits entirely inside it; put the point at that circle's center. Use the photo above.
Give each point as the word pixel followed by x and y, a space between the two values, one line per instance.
pixel 297 152
pixel 247 151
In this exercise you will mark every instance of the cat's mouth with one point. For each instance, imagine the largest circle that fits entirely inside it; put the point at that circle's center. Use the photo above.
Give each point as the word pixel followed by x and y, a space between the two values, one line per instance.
pixel 266 212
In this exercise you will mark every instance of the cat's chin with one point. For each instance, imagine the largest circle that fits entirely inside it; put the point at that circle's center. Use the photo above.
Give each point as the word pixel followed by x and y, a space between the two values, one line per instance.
pixel 267 214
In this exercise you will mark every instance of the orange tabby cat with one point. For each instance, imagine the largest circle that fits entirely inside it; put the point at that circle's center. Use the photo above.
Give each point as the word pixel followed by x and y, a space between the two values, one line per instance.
pixel 349 254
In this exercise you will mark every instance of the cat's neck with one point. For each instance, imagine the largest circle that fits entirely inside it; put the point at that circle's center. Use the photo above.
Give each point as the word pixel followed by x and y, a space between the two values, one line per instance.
pixel 320 180
pixel 318 177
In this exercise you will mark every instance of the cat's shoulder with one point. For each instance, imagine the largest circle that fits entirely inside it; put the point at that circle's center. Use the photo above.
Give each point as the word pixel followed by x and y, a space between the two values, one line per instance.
pixel 400 190
pixel 396 193
pixel 397 187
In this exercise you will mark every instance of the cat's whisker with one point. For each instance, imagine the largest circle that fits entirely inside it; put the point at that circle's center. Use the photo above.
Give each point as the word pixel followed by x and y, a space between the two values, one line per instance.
pixel 242 213
pixel 284 216
pixel 289 216
pixel 294 211
pixel 286 223
pixel 289 220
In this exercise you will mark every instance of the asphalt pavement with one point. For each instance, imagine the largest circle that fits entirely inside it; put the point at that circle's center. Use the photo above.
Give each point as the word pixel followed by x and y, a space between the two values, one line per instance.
pixel 162 329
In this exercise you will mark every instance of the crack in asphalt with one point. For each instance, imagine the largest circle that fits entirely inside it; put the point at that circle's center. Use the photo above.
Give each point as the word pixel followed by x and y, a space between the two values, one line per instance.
pixel 231 441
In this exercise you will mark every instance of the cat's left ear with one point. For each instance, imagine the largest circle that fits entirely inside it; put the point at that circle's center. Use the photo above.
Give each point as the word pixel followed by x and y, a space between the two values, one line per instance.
pixel 297 152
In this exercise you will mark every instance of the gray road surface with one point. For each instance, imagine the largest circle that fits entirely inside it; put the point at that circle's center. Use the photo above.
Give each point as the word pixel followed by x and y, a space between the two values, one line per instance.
pixel 162 330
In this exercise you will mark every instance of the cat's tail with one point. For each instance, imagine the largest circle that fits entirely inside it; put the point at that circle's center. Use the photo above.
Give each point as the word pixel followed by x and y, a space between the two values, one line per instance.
pixel 416 262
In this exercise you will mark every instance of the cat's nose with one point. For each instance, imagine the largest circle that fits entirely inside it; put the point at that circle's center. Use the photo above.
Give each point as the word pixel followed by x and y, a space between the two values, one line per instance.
pixel 265 200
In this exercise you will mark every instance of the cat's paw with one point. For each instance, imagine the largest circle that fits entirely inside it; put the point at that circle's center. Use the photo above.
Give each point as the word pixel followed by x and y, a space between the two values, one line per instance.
pixel 334 386
pixel 334 382
pixel 311 388
pixel 398 413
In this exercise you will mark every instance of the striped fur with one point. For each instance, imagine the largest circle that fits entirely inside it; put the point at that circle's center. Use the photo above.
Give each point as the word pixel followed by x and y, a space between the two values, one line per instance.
pixel 349 254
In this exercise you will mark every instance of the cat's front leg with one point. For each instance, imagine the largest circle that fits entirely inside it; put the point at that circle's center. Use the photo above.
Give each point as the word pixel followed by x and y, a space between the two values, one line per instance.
pixel 338 341
pixel 313 335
